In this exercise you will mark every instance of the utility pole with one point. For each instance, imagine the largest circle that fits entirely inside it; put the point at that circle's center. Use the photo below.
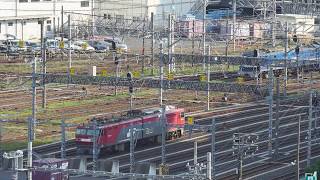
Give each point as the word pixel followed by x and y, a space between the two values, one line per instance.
pixel 152 44
pixel 298 149
pixel 213 148
pixel 204 33
pixel 44 68
pixel 234 12
pixel 309 128
pixel 285 61
pixel 161 74
pixel 208 78
pixel 277 119
pixel 270 101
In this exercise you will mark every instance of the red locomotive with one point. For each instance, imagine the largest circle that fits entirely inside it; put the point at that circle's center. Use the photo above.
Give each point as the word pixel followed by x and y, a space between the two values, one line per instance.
pixel 114 134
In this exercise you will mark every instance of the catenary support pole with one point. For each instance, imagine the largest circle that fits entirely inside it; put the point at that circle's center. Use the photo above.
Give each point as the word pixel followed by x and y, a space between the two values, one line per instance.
pixel 204 33
pixel 62 32
pixel 143 48
pixel 277 118
pixel 234 12
pixel 309 128
pixel 163 135
pixel 195 153
pixel 169 42
pixel 274 21
pixel 44 59
pixel 161 74
pixel 132 149
pixel 213 148
pixel 298 149
pixel 208 78
pixel 95 149
pixel 30 140
pixel 270 101
pixel 209 166
pixel 285 61
pixel 152 44
pixel 69 42
pixel 32 120
pixel 63 138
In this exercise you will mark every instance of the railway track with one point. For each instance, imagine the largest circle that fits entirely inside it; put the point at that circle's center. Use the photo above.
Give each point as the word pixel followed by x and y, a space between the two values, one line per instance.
pixel 177 162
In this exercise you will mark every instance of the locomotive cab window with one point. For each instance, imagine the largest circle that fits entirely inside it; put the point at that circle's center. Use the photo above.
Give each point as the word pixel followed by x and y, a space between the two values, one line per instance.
pixel 81 131
pixel 90 132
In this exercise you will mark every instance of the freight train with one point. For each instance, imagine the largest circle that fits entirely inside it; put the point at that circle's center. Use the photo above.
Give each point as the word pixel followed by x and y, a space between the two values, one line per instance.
pixel 114 134
pixel 308 58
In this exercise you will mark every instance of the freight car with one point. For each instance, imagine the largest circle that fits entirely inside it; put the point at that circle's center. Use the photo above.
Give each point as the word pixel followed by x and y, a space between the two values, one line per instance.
pixel 114 134
pixel 308 59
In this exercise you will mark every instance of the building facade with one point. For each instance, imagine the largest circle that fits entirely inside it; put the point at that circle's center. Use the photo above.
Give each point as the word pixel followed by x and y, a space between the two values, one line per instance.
pixel 20 17
pixel 142 8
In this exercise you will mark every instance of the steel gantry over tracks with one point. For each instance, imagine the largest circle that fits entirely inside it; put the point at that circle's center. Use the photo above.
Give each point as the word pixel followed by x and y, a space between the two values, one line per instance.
pixel 258 90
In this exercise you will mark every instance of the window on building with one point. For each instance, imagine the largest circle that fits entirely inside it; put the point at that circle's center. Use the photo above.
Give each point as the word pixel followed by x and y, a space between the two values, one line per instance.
pixel 35 0
pixel 0 27
pixel 48 27
pixel 47 0
pixel 84 3
pixel 10 23
pixel 48 21
pixel 23 1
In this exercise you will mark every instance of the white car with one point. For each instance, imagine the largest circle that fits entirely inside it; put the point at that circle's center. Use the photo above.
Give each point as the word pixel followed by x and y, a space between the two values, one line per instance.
pixel 84 46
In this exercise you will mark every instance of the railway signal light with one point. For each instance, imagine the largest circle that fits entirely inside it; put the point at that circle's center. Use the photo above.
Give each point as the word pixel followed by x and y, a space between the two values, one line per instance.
pixel 130 89
pixel 129 78
pixel 116 60
pixel 295 38
pixel 255 53
pixel 297 50
pixel 113 45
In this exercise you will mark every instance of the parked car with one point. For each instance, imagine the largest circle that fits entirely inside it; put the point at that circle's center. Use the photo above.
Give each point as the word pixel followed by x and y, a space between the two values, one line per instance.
pixel 119 45
pixel 16 45
pixel 84 46
pixel 99 46
pixel 33 46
